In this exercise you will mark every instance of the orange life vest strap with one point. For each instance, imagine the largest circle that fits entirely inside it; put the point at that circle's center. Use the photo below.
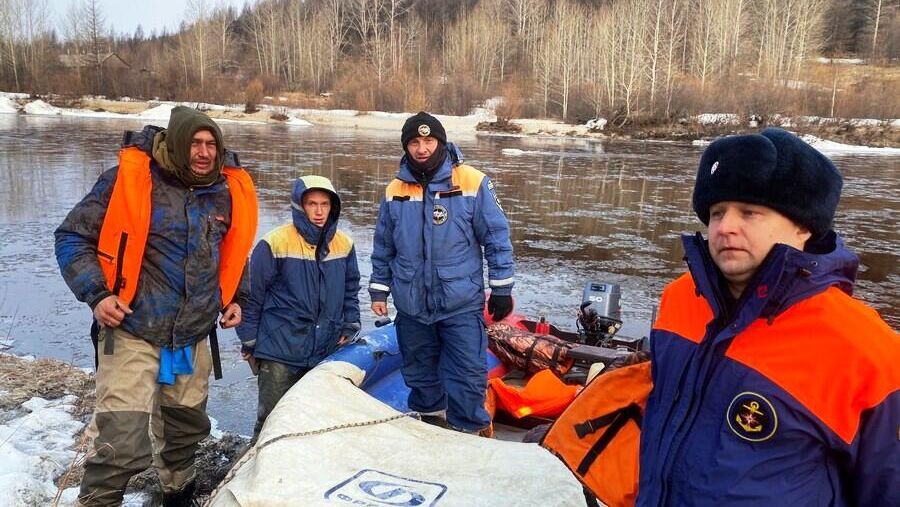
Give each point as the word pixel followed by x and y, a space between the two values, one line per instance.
pixel 126 226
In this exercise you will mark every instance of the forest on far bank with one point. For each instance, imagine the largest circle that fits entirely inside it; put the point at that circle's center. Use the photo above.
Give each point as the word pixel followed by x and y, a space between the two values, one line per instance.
pixel 633 62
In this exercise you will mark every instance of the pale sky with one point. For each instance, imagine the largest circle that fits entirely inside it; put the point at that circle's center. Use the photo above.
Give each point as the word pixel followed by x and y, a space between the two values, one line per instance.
pixel 124 15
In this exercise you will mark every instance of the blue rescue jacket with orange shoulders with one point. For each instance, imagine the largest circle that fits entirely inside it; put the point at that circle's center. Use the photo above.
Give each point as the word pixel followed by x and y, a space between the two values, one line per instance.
pixel 791 398
pixel 428 242
pixel 175 254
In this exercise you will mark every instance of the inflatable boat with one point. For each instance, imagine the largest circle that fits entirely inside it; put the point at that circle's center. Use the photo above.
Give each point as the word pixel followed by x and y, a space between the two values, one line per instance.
pixel 343 435
pixel 530 397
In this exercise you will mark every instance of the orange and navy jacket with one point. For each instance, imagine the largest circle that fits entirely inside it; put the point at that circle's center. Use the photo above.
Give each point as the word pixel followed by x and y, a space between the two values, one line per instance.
pixel 792 397
pixel 428 243
pixel 175 254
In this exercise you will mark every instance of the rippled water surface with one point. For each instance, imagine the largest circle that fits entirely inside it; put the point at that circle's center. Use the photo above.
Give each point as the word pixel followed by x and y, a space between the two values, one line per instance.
pixel 580 211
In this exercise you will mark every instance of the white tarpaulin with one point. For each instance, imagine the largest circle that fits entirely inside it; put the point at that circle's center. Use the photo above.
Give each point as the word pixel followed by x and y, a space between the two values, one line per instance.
pixel 330 443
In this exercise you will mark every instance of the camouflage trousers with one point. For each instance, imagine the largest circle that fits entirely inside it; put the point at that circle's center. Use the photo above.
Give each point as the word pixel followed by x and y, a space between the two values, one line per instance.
pixel 138 422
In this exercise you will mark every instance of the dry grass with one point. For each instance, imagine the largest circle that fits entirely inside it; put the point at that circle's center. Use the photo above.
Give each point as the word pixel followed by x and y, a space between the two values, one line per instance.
pixel 21 380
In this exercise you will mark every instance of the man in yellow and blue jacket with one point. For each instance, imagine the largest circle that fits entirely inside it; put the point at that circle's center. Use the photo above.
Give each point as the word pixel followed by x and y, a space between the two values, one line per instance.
pixel 436 217
pixel 303 301
pixel 772 385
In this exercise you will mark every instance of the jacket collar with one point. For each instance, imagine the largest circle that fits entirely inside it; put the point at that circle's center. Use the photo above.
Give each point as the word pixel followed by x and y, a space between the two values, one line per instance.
pixel 785 277
pixel 310 232
pixel 443 174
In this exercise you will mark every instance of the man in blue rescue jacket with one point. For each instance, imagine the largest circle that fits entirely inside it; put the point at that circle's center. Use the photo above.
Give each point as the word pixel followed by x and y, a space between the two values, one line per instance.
pixel 772 385
pixel 434 220
pixel 304 285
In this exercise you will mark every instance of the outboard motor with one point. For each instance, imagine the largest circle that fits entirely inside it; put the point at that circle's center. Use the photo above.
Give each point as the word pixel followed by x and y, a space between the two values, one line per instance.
pixel 600 314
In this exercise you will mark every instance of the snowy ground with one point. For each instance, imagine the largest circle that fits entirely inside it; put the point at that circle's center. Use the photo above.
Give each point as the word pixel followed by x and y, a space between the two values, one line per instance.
pixel 829 147
pixel 159 111
pixel 44 407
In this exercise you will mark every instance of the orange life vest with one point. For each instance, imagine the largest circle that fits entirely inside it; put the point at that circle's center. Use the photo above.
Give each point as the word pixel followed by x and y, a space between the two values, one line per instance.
pixel 126 227
pixel 598 435
pixel 544 395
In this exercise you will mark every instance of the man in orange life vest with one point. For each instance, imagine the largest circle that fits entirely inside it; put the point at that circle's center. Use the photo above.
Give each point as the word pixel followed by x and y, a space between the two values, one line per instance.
pixel 157 249
pixel 772 385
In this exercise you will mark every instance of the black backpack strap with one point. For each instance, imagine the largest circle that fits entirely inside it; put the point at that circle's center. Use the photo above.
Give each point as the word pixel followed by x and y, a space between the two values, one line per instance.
pixel 95 339
pixel 214 351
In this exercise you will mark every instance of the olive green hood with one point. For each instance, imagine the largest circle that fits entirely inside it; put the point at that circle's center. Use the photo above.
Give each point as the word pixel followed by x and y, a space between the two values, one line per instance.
pixel 172 147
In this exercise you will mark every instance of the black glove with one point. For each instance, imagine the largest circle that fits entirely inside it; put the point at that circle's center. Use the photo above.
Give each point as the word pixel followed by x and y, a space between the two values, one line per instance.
pixel 499 306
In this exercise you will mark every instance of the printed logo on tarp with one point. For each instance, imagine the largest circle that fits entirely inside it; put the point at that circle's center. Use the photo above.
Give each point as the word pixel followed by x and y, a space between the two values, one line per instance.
pixel 371 488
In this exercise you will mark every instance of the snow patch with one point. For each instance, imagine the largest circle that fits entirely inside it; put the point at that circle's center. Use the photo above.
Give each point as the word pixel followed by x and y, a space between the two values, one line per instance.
pixel 160 112
pixel 834 148
pixel 298 122
pixel 596 123
pixel 39 107
pixel 844 61
pixel 513 152
pixel 700 142
pixel 718 119
pixel 7 105
pixel 214 430
pixel 36 449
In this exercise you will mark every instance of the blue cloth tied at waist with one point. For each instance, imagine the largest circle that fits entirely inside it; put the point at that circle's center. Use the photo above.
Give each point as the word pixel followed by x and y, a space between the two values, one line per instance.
pixel 175 362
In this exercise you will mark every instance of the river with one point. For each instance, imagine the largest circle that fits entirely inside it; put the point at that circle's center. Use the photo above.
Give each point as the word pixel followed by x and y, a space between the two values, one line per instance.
pixel 580 210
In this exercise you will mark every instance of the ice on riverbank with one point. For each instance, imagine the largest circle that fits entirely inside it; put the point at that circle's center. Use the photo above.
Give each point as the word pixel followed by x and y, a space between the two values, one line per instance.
pixel 44 406
pixel 7 106
pixel 718 119
pixel 833 148
pixel 828 147
pixel 37 448
pixel 41 108
pixel 159 111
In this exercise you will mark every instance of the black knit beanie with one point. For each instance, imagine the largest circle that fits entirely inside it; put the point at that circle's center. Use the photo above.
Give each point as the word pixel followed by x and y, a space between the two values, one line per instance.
pixel 775 169
pixel 422 124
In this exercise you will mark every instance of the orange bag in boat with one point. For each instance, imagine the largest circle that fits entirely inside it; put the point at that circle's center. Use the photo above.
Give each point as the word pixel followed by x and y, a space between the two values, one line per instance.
pixel 598 436
pixel 544 395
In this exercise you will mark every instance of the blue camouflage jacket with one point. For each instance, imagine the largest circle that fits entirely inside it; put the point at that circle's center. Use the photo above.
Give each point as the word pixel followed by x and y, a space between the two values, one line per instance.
pixel 178 295
pixel 304 284
pixel 790 396
pixel 428 242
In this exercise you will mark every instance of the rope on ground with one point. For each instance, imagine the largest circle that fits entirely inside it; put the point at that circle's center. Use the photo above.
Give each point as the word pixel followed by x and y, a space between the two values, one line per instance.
pixel 253 451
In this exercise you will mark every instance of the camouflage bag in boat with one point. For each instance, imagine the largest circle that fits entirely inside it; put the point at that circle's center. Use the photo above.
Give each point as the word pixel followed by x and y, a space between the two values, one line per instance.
pixel 518 348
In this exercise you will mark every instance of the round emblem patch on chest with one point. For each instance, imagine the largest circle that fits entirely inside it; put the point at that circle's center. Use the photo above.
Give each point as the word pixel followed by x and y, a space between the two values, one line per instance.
pixel 752 417
pixel 439 215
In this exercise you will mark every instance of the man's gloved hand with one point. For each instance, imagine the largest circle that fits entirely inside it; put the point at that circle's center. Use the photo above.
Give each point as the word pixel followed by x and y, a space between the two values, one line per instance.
pixel 499 306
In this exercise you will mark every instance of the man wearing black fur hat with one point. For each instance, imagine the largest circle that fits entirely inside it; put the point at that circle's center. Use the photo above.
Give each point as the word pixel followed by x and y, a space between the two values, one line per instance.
pixel 771 384
pixel 434 220
pixel 157 249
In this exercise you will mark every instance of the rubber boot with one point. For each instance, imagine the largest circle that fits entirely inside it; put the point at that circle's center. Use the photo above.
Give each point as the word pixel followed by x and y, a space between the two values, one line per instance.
pixel 438 418
pixel 486 432
pixel 181 498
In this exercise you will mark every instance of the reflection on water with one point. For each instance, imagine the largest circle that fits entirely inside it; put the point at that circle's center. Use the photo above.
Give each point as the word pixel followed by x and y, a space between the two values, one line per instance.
pixel 580 210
